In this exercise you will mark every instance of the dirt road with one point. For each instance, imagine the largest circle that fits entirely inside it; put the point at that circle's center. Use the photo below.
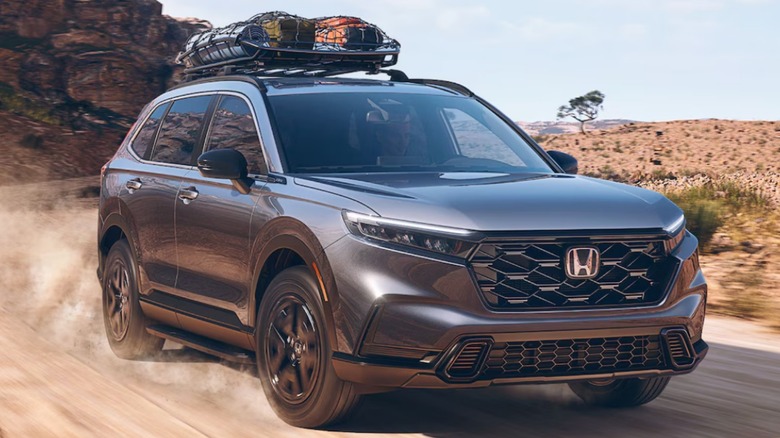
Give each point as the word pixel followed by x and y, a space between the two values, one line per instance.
pixel 59 378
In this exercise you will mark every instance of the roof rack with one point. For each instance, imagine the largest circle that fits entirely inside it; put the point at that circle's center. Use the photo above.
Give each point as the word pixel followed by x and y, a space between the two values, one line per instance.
pixel 281 44
pixel 279 62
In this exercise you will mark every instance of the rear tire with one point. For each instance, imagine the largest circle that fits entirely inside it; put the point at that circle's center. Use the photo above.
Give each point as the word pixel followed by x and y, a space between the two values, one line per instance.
pixel 294 354
pixel 620 393
pixel 124 321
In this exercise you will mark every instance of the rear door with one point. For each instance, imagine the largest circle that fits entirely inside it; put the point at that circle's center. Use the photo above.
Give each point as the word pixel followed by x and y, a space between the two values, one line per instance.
pixel 165 156
pixel 213 221
pixel 148 191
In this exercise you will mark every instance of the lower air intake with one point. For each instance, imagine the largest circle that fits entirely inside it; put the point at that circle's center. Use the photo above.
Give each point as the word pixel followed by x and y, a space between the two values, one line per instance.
pixel 467 362
pixel 678 348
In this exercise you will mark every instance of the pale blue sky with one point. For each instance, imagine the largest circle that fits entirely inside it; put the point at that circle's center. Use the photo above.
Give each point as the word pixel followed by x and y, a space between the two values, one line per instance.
pixel 654 60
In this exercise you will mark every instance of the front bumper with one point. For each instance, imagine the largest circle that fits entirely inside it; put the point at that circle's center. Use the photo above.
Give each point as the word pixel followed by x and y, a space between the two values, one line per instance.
pixel 479 360
pixel 414 337
pixel 379 374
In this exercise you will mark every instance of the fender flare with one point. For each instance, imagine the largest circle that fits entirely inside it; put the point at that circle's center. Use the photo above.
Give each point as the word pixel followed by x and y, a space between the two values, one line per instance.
pixel 292 234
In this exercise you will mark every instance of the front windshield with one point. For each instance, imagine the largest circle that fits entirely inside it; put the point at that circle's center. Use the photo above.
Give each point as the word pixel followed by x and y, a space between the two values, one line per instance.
pixel 394 132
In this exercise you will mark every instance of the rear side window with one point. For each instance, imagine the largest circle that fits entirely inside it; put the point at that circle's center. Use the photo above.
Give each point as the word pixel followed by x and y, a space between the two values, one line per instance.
pixel 145 139
pixel 233 127
pixel 180 131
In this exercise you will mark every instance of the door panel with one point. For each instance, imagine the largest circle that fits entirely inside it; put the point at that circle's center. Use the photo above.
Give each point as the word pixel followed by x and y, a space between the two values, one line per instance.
pixel 213 219
pixel 212 233
pixel 151 188
pixel 149 192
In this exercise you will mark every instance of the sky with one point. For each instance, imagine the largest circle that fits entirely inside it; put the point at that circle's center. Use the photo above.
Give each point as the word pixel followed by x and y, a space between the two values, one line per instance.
pixel 654 60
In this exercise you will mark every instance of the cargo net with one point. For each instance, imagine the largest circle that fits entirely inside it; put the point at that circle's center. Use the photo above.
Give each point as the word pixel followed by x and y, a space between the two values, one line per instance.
pixel 282 39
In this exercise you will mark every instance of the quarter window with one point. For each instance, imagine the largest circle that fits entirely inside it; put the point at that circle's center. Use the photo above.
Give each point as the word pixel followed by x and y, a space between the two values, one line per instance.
pixel 145 139
pixel 180 131
pixel 233 127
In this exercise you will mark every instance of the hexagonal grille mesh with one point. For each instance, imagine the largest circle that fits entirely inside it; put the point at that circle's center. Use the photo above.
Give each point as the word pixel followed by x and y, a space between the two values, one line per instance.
pixel 514 275
pixel 573 356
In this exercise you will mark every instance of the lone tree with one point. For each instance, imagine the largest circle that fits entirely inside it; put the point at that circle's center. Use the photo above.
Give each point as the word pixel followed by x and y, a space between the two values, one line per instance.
pixel 584 108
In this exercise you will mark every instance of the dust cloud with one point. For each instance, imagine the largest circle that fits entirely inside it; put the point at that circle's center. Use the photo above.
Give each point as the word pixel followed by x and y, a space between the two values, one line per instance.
pixel 48 281
pixel 47 272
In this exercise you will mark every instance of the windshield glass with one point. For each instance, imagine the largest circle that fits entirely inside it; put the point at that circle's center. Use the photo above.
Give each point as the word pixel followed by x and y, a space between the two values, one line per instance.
pixel 394 132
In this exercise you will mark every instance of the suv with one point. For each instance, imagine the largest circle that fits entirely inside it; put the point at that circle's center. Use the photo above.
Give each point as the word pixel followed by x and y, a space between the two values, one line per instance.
pixel 353 236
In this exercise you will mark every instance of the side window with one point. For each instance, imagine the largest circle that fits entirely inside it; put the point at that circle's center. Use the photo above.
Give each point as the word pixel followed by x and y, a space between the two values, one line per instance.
pixel 145 139
pixel 181 130
pixel 475 140
pixel 234 128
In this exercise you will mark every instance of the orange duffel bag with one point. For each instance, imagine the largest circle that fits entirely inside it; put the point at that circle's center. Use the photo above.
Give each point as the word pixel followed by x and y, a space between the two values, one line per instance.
pixel 350 33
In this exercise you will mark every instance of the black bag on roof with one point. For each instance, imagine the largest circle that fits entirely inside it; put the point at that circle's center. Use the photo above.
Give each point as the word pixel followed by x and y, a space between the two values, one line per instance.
pixel 245 38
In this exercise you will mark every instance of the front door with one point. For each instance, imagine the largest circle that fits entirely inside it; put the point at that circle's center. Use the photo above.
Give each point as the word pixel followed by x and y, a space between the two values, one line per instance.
pixel 213 223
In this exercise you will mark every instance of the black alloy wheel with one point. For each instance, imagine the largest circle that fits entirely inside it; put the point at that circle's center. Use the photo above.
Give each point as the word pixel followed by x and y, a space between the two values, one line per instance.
pixel 294 359
pixel 292 352
pixel 124 321
pixel 117 299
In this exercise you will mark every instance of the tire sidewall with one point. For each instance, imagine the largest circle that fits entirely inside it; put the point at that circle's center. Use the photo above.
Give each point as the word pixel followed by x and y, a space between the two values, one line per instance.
pixel 316 408
pixel 135 337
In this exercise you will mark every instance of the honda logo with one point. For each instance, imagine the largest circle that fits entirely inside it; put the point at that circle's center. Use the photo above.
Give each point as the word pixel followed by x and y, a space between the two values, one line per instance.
pixel 582 262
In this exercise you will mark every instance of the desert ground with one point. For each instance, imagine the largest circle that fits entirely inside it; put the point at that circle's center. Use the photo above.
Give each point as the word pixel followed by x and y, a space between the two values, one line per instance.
pixel 709 167
pixel 59 378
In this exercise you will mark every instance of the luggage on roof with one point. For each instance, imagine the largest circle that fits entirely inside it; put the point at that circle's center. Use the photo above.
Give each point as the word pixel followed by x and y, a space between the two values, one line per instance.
pixel 279 39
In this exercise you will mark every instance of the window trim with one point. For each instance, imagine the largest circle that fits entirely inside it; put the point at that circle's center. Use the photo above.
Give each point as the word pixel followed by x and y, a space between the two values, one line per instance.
pixel 169 100
pixel 141 126
pixel 199 140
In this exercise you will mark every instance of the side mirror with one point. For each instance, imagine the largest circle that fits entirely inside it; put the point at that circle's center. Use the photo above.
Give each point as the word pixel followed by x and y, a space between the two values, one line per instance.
pixel 226 164
pixel 565 161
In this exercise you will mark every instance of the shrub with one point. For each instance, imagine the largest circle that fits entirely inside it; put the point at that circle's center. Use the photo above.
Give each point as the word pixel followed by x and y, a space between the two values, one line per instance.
pixel 541 138
pixel 703 217
pixel 706 206
pixel 32 141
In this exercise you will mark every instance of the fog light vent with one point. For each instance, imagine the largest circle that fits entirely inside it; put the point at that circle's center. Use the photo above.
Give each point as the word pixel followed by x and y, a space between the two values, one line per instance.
pixel 467 361
pixel 678 348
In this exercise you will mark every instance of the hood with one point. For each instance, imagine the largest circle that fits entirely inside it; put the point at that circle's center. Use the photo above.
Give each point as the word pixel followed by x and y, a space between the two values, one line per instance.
pixel 504 202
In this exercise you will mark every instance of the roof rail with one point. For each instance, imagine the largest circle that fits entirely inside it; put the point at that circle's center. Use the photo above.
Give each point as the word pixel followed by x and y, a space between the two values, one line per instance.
pixel 399 76
pixel 454 86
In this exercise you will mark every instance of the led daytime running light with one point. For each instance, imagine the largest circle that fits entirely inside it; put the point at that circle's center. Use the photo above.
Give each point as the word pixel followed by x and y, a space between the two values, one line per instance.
pixel 416 226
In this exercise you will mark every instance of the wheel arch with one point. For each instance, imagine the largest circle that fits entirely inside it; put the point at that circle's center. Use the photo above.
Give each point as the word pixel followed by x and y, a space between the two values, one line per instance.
pixel 114 228
pixel 284 243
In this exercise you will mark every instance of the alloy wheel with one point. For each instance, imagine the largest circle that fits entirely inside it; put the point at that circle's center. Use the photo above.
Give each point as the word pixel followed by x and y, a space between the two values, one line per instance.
pixel 292 350
pixel 117 300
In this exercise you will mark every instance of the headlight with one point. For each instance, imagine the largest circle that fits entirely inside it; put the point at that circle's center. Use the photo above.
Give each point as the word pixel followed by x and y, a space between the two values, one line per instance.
pixel 442 240
pixel 678 228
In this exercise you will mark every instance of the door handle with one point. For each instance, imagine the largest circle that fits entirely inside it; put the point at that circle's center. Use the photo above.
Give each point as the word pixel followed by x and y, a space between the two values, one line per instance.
pixel 133 185
pixel 188 195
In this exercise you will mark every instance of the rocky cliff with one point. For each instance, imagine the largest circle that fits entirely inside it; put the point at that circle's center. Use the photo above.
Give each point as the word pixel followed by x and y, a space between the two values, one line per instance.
pixel 83 68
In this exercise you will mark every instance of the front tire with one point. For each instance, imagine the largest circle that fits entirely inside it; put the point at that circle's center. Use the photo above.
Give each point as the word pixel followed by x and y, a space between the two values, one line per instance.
pixel 620 393
pixel 124 321
pixel 294 354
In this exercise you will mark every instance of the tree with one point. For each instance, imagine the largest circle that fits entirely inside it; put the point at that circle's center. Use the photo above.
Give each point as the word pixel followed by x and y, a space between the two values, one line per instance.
pixel 583 108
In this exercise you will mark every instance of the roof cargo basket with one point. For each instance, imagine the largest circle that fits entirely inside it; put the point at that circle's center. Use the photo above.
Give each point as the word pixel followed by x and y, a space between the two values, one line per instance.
pixel 281 44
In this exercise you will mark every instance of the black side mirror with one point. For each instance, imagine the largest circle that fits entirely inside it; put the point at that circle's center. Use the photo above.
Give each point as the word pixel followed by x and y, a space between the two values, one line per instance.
pixel 226 164
pixel 566 161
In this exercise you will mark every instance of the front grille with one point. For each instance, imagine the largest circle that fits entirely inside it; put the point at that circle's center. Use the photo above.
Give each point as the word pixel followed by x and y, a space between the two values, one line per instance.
pixel 573 356
pixel 523 275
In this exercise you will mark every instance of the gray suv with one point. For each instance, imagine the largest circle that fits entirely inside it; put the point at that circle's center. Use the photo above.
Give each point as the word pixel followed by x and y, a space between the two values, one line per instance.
pixel 353 236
